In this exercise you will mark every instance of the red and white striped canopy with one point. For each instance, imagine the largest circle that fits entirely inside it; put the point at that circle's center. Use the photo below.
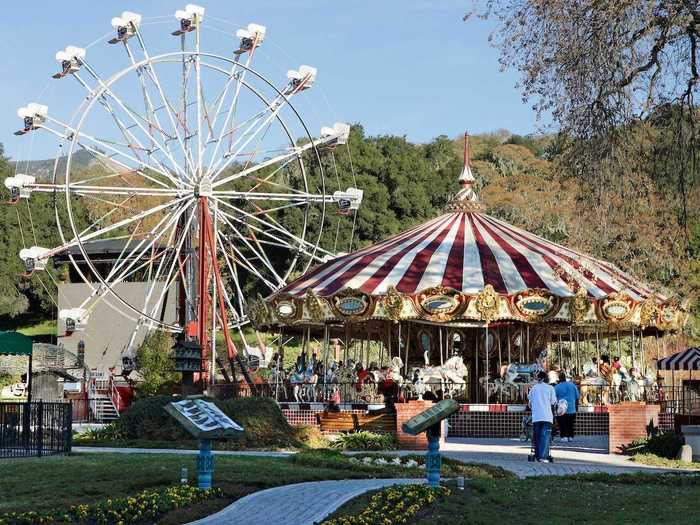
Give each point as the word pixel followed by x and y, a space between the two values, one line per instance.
pixel 466 250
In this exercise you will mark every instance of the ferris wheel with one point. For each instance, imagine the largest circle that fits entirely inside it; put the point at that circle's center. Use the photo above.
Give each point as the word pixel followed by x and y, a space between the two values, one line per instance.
pixel 201 167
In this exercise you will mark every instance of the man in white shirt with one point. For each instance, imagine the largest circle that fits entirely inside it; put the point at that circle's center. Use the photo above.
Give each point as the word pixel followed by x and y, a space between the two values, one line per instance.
pixel 541 399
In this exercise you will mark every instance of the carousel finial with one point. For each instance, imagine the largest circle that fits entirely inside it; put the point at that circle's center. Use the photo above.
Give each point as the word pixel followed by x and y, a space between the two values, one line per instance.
pixel 466 199
pixel 466 179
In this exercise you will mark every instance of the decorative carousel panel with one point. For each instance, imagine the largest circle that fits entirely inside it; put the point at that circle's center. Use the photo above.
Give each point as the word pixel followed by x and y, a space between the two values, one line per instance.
pixel 580 307
pixel 393 304
pixel 615 308
pixel 316 308
pixel 535 304
pixel 287 309
pixel 669 317
pixel 260 314
pixel 352 304
pixel 440 304
pixel 487 306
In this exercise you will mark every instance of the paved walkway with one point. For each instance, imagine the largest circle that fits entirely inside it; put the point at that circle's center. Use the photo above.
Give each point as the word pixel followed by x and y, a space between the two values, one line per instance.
pixel 299 504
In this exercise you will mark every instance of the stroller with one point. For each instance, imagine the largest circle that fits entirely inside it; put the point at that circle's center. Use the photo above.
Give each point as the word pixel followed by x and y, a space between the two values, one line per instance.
pixel 527 426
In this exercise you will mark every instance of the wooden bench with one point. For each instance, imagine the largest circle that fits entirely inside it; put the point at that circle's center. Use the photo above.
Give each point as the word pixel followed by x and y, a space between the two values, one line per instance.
pixel 339 422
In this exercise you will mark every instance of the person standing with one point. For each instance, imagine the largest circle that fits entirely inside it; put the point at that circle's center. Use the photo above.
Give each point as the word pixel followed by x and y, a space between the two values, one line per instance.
pixel 567 390
pixel 541 399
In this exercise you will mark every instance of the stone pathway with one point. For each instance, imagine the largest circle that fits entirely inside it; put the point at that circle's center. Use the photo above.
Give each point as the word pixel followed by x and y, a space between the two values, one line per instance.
pixel 299 504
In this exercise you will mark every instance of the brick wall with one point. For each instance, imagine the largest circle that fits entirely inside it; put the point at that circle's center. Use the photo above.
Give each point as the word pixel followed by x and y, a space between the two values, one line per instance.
pixel 628 421
pixel 404 412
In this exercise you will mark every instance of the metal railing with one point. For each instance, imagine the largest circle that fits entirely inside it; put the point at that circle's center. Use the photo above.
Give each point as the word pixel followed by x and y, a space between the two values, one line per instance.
pixel 35 429
pixel 672 399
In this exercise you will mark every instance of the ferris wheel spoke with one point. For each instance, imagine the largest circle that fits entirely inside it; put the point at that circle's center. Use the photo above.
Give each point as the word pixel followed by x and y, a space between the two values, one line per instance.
pixel 258 253
pixel 249 134
pixel 265 228
pixel 132 141
pixel 148 102
pixel 232 269
pixel 72 134
pixel 242 261
pixel 136 117
pixel 125 222
pixel 176 261
pixel 231 112
pixel 283 159
pixel 167 105
pixel 125 265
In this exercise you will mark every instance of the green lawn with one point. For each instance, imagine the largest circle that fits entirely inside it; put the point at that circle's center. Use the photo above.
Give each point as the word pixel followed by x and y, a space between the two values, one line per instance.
pixel 30 325
pixel 631 498
pixel 54 483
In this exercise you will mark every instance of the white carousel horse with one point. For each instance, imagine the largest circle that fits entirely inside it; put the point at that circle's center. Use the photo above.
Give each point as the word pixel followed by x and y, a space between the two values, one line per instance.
pixel 304 386
pixel 450 377
pixel 395 370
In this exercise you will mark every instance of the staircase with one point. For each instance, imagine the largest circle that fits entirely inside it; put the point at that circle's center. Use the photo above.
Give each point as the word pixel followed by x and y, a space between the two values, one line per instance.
pixel 103 408
pixel 103 397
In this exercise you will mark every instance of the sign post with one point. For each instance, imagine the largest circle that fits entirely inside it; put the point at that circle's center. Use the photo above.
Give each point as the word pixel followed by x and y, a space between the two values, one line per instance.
pixel 429 421
pixel 205 421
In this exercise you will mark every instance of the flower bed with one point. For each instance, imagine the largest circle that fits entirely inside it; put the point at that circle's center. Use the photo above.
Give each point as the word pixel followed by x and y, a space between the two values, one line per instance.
pixel 393 505
pixel 382 461
pixel 145 507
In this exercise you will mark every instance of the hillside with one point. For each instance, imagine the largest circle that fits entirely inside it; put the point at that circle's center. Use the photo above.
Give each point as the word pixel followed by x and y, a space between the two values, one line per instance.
pixel 43 169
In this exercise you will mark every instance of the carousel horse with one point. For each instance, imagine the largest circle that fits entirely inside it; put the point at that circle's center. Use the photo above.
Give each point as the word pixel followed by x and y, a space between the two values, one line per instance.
pixel 450 377
pixel 304 385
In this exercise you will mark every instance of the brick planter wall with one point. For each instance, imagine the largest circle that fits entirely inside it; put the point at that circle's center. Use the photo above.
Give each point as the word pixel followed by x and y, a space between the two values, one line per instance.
pixel 404 412
pixel 628 421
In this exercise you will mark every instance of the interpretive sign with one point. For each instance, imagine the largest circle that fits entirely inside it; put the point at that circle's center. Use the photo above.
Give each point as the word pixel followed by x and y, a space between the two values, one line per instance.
pixel 203 419
pixel 430 417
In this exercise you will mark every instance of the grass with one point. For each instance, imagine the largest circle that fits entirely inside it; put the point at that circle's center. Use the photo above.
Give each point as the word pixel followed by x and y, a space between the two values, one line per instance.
pixel 658 461
pixel 593 498
pixel 59 482
pixel 29 324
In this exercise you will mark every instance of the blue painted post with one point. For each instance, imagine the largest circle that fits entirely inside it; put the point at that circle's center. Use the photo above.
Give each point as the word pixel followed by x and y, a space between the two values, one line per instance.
pixel 205 464
pixel 433 461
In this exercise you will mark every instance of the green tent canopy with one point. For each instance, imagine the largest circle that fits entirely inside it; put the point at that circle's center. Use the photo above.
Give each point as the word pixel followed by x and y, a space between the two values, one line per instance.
pixel 14 343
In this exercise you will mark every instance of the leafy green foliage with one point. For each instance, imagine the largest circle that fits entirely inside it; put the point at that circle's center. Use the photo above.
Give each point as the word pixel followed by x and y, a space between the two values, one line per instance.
pixel 664 444
pixel 155 364
pixel 364 440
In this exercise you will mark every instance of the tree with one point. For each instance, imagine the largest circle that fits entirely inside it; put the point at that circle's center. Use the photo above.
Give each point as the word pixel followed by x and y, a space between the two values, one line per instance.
pixel 155 364
pixel 601 66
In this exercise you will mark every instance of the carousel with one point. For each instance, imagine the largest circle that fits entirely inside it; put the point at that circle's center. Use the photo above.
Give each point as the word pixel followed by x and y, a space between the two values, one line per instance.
pixel 470 307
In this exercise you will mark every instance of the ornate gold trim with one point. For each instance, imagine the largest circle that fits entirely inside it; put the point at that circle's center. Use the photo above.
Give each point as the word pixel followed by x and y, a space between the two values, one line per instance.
pixel 648 312
pixel 579 305
pixel 393 303
pixel 313 304
pixel 259 313
pixel 457 299
pixel 520 301
pixel 286 298
pixel 350 293
pixel 486 303
pixel 615 300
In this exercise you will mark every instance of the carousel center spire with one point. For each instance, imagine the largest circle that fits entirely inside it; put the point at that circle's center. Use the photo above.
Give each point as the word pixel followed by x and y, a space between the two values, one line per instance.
pixel 466 198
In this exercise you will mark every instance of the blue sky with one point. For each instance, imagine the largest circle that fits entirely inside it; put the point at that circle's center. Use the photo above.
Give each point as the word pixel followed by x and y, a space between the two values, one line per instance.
pixel 410 67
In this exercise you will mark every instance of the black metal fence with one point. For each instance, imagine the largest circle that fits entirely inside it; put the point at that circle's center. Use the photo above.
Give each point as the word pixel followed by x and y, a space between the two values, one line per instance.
pixel 35 429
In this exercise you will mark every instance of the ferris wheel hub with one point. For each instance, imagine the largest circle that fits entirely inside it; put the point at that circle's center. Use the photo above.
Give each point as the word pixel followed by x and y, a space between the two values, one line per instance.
pixel 204 188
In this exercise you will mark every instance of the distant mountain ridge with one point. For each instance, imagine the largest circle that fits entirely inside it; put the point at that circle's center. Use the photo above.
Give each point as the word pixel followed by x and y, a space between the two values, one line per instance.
pixel 43 169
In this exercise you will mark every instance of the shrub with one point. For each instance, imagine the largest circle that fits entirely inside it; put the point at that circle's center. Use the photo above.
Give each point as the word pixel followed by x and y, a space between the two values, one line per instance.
pixel 311 437
pixel 154 359
pixel 393 505
pixel 146 506
pixel 262 419
pixel 364 440
pixel 664 444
